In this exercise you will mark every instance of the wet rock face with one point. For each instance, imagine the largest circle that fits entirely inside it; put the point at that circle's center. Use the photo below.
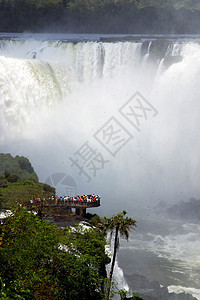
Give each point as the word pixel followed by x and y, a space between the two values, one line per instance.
pixel 170 60
pixel 187 210
pixel 156 49
pixel 151 290
pixel 183 210
pixel 159 48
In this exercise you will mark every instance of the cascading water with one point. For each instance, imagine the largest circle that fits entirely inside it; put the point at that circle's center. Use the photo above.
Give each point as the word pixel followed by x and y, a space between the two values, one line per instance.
pixel 37 75
pixel 76 87
pixel 56 95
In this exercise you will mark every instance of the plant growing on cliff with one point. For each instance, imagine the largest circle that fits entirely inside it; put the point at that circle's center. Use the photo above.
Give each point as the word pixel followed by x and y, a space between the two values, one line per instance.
pixel 19 165
pixel 118 224
pixel 38 260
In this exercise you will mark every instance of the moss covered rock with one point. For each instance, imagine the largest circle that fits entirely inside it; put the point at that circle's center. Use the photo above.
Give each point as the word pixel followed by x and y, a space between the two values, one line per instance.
pixel 19 165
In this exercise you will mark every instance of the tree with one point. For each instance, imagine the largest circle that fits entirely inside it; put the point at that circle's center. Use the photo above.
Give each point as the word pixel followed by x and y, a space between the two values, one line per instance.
pixel 39 260
pixel 19 165
pixel 117 224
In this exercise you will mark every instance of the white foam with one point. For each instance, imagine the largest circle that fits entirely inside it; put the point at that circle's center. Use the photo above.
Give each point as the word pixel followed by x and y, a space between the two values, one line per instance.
pixel 180 289
pixel 118 274
pixel 5 214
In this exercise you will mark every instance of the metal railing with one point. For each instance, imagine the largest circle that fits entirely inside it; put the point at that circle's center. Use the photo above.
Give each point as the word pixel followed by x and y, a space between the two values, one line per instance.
pixel 66 203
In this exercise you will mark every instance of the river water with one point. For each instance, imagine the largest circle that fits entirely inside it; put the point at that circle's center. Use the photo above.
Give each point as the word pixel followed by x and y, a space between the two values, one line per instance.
pixel 116 116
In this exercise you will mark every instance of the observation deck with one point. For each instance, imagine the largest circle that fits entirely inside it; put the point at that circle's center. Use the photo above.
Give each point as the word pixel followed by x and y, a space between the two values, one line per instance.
pixel 59 207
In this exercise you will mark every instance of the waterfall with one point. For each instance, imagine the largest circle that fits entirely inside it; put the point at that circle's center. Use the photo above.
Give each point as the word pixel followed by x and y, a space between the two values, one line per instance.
pixel 59 100
pixel 55 96
pixel 36 75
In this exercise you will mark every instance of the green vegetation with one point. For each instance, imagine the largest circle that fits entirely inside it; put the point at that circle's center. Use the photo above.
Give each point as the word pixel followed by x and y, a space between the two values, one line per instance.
pixel 38 260
pixel 124 295
pixel 19 165
pixel 21 186
pixel 117 224
pixel 13 190
pixel 100 16
pixel 93 219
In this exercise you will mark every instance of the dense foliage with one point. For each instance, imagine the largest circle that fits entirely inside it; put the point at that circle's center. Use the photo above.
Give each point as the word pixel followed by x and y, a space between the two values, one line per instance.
pixel 38 260
pixel 13 190
pixel 19 165
pixel 103 16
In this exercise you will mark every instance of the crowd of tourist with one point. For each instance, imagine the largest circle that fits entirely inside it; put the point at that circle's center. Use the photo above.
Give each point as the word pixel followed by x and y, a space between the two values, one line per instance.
pixel 83 198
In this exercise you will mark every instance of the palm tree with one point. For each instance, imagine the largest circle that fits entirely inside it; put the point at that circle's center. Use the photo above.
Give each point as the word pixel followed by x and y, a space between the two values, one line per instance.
pixel 117 224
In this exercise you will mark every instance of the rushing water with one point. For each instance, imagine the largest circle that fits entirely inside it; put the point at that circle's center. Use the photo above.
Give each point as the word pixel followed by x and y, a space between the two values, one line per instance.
pixel 165 251
pixel 64 103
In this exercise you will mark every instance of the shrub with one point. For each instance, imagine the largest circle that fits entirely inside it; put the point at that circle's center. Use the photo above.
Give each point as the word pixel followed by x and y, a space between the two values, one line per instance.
pixel 13 178
pixel 48 188
pixel 25 164
pixel 6 174
pixel 26 182
pixel 3 184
